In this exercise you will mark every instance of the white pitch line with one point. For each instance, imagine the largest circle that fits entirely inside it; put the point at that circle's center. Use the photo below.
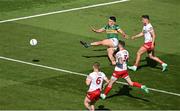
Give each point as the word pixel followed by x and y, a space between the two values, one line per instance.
pixel 76 73
pixel 62 11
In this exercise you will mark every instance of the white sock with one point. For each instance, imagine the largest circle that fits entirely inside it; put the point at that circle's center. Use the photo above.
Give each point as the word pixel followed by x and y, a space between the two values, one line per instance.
pixel 163 64
pixel 135 67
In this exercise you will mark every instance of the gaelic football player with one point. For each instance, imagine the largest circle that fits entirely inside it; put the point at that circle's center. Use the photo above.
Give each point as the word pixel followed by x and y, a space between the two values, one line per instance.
pixel 121 71
pixel 94 81
pixel 149 44
pixel 112 30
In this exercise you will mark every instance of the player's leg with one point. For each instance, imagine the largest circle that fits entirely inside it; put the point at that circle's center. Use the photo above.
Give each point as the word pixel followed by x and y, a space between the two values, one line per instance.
pixel 109 87
pixel 87 102
pixel 141 51
pixel 136 84
pixel 110 52
pixel 92 106
pixel 105 42
pixel 153 57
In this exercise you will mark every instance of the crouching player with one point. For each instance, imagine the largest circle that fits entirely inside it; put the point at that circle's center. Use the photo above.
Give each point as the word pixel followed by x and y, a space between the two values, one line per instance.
pixel 95 81
pixel 121 71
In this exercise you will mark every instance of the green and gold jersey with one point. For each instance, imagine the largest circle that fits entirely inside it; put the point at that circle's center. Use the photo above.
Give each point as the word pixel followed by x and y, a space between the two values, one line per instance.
pixel 111 31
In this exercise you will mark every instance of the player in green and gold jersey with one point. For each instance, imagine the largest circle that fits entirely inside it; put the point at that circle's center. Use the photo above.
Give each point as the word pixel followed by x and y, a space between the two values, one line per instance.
pixel 112 40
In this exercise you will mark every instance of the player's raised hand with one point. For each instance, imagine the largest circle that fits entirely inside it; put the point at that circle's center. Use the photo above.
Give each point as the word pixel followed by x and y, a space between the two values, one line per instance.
pixel 97 30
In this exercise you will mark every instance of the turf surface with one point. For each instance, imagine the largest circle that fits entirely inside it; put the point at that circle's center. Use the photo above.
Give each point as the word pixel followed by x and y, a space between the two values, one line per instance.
pixel 29 87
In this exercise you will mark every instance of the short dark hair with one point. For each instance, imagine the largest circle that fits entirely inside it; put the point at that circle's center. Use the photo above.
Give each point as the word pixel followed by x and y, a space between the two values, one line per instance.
pixel 96 65
pixel 122 43
pixel 112 18
pixel 145 16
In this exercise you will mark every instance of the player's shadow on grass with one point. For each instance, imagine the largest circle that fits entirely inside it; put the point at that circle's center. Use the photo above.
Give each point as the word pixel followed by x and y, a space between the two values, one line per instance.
pixel 97 56
pixel 149 63
pixel 94 56
pixel 102 108
pixel 35 60
pixel 100 50
pixel 125 91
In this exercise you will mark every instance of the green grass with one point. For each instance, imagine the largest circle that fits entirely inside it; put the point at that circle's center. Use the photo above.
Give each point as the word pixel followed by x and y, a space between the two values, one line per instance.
pixel 28 87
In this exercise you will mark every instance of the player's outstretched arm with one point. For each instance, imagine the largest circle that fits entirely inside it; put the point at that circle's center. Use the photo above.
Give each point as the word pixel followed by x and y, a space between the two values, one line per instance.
pixel 123 33
pixel 97 30
pixel 137 36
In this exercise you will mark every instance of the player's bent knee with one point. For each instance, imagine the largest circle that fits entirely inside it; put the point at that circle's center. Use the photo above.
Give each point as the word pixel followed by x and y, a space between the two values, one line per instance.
pixel 86 103
pixel 151 56
pixel 110 51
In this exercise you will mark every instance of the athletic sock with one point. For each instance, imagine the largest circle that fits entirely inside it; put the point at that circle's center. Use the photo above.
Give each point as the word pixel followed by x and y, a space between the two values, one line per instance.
pixel 107 90
pixel 136 84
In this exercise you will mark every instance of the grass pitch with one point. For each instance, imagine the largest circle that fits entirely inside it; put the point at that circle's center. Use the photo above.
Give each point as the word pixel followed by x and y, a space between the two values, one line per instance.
pixel 28 87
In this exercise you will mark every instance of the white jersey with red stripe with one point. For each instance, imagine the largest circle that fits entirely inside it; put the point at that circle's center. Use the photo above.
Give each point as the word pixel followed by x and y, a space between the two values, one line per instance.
pixel 147 35
pixel 96 80
pixel 122 55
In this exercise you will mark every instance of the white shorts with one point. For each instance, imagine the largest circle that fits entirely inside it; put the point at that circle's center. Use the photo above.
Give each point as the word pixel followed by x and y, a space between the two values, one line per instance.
pixel 115 42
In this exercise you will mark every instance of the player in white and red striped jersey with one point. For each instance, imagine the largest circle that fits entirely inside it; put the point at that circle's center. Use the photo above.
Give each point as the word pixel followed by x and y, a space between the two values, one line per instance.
pixel 149 44
pixel 121 71
pixel 95 81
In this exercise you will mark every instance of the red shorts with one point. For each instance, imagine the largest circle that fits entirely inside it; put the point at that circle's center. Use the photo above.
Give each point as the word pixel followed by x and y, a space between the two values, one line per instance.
pixel 120 74
pixel 148 46
pixel 94 95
